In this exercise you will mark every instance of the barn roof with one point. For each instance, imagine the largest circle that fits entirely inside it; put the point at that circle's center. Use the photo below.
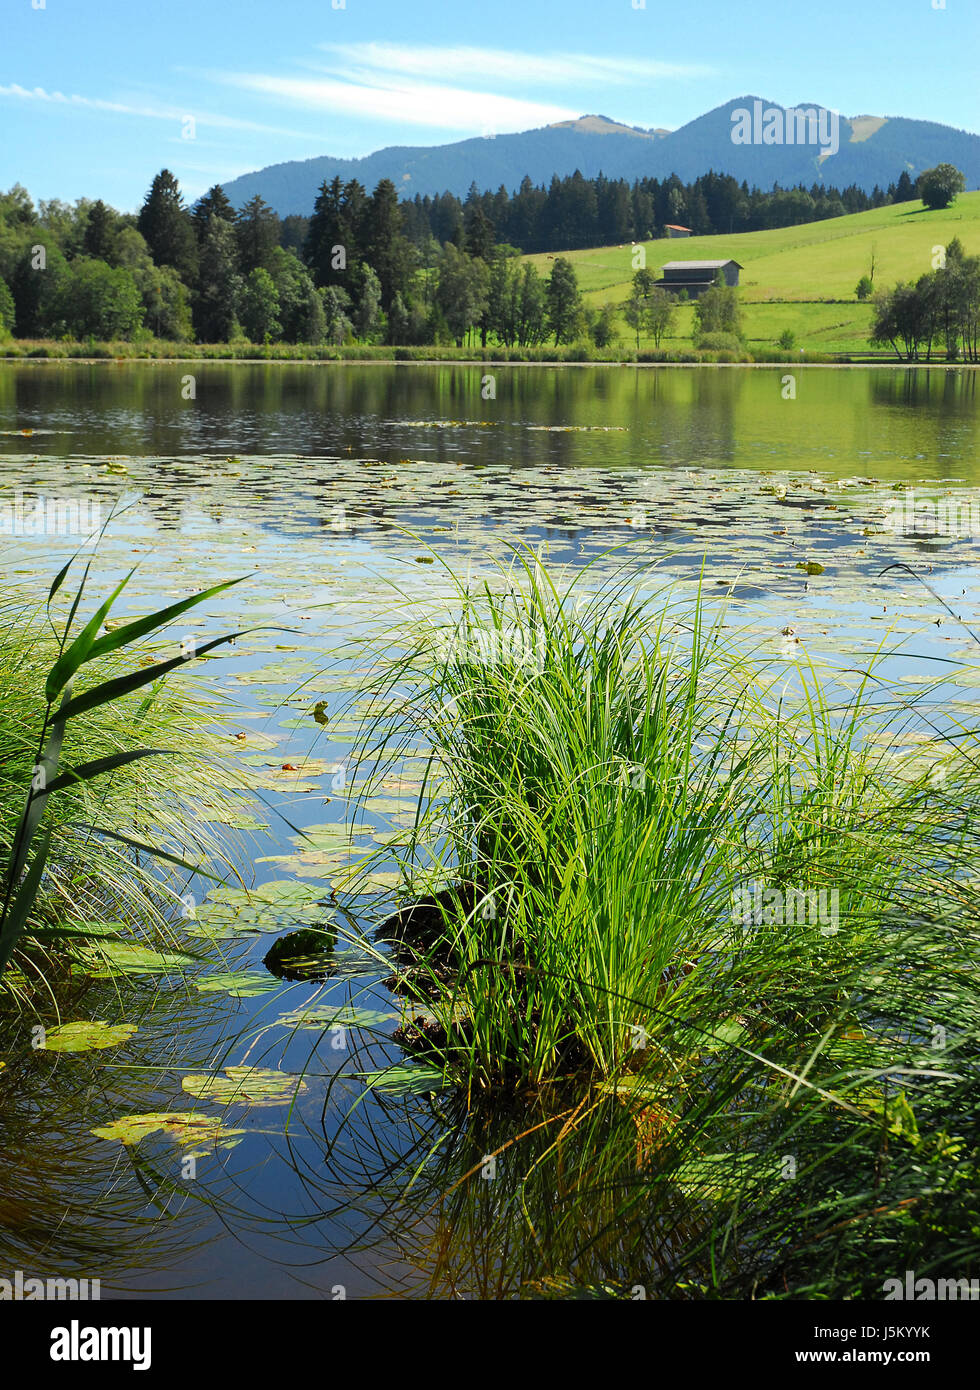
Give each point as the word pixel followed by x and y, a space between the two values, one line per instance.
pixel 700 265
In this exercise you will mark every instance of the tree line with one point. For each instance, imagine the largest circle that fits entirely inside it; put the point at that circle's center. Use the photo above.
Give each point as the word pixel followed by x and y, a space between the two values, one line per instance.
pixel 212 274
pixel 575 212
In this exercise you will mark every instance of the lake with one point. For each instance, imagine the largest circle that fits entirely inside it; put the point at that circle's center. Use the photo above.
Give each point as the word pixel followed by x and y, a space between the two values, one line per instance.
pixel 340 491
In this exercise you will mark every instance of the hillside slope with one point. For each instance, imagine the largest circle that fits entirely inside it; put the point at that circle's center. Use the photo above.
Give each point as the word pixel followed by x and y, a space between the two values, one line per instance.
pixel 818 261
pixel 797 278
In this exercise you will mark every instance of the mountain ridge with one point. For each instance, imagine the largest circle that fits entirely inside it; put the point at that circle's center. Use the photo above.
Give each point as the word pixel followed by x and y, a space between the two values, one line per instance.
pixel 873 150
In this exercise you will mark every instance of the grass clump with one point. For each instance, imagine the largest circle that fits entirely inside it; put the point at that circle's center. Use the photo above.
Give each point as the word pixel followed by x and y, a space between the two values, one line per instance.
pixel 693 934
pixel 638 843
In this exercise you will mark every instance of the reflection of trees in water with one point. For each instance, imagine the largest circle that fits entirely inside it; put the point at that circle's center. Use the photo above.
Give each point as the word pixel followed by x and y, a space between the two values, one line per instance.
pixel 927 388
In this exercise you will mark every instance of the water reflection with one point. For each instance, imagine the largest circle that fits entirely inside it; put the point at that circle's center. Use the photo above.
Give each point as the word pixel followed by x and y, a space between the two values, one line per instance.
pixel 891 418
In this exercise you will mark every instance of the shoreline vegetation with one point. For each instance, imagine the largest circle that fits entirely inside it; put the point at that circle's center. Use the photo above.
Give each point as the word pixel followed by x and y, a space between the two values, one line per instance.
pixel 99 833
pixel 608 770
pixel 364 354
pixel 355 283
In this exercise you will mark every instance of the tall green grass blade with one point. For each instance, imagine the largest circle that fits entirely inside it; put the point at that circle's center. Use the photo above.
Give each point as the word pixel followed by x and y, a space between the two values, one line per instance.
pixel 16 916
pixel 86 772
pixel 80 650
pixel 115 689
pixel 141 627
pixel 154 851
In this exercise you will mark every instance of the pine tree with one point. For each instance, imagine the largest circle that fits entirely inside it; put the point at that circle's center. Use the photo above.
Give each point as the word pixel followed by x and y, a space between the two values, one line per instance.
pixel 387 251
pixel 166 227
pixel 257 233
pixel 480 238
pixel 220 285
pixel 904 189
pixel 213 203
pixel 99 232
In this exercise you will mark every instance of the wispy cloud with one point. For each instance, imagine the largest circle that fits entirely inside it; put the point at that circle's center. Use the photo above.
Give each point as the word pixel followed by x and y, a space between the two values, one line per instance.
pixel 171 114
pixel 411 84
pixel 503 65
pixel 409 103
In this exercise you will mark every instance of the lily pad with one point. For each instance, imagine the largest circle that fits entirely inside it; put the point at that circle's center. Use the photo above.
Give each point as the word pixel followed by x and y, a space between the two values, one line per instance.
pixel 404 1080
pixel 244 1085
pixel 323 1016
pixel 83 1036
pixel 184 1127
pixel 242 984
pixel 113 959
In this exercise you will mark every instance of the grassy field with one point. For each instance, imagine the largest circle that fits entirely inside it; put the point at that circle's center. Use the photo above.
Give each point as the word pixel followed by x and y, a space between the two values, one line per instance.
pixel 801 278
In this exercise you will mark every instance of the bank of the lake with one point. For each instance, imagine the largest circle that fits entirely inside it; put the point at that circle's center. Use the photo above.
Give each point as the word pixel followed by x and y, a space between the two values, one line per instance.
pixel 568 355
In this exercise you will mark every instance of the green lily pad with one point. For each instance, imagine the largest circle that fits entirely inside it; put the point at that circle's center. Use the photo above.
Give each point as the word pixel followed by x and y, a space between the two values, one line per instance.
pixel 404 1080
pixel 113 959
pixel 284 896
pixel 242 984
pixel 85 1037
pixel 244 1085
pixel 375 878
pixel 323 1016
pixel 183 1127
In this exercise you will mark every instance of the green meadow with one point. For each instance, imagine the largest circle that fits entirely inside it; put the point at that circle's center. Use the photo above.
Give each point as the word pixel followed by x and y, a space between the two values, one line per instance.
pixel 800 278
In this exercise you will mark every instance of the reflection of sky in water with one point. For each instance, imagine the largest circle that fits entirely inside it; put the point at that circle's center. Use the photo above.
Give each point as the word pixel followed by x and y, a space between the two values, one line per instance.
pixel 332 473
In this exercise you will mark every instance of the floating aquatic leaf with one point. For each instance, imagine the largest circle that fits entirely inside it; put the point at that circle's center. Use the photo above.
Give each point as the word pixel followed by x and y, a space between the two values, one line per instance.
pixel 254 738
pixel 363 881
pixel 237 820
pixel 111 959
pixel 83 1036
pixel 404 1080
pixel 243 984
pixel 389 805
pixel 184 1127
pixel 282 893
pixel 244 1085
pixel 322 1016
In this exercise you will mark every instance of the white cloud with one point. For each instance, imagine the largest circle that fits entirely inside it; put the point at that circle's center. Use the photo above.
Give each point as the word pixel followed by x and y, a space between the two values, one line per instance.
pixel 409 103
pixel 501 65
pixel 172 114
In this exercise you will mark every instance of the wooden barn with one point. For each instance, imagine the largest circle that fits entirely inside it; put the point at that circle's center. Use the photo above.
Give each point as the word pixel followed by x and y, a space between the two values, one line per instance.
pixel 673 230
pixel 696 276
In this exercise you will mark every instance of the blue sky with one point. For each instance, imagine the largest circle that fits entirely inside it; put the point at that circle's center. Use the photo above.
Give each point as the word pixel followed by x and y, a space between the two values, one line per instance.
pixel 95 95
